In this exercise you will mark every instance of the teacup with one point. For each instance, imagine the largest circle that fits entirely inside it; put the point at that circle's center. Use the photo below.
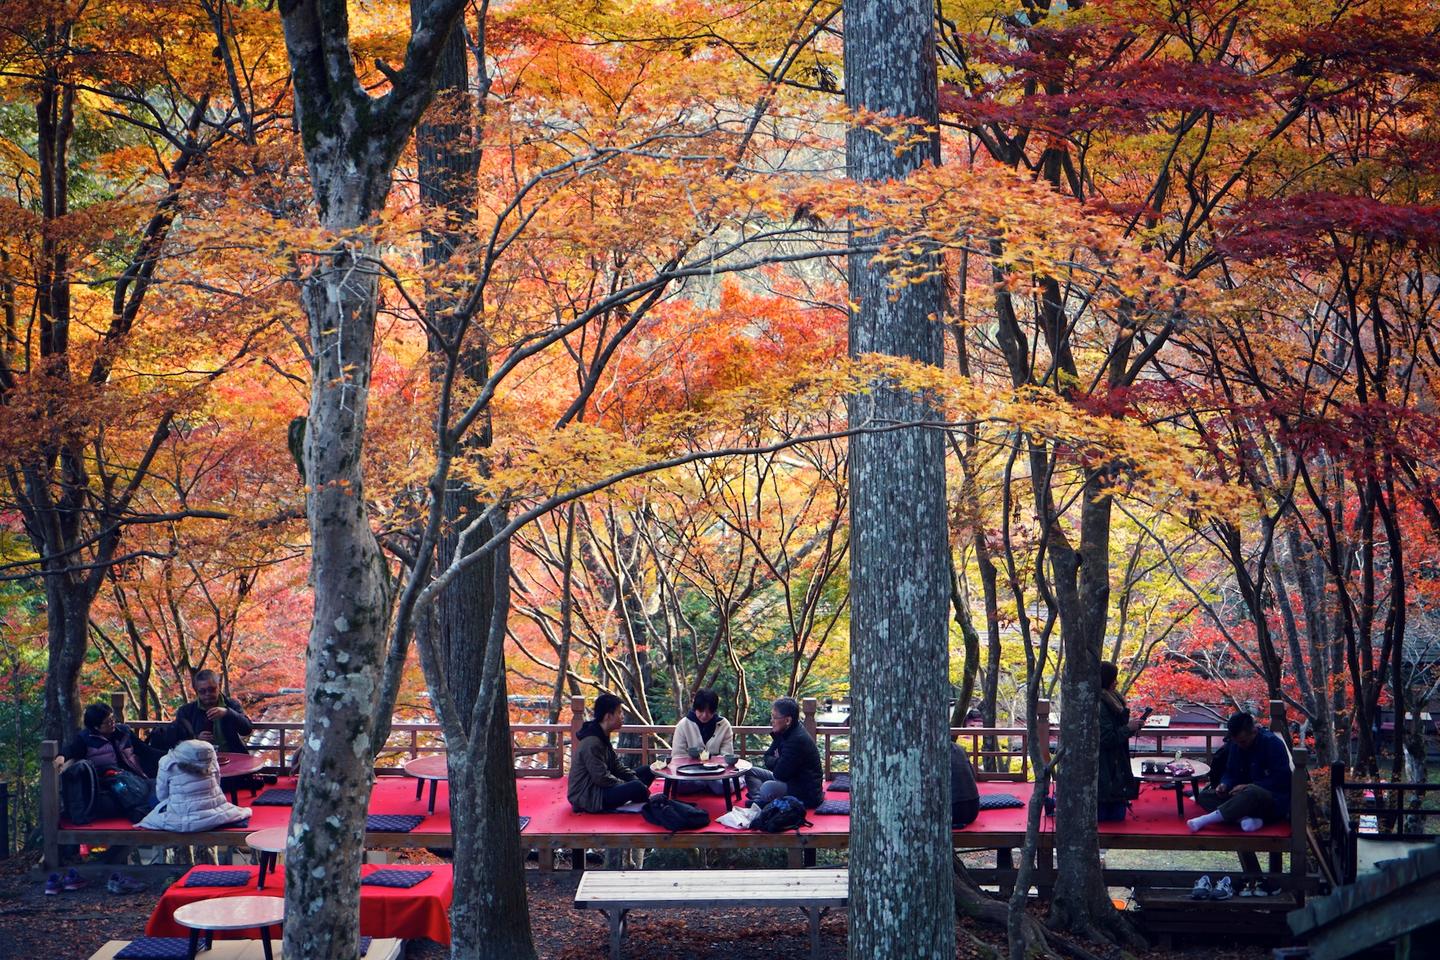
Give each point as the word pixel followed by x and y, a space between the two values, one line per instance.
pixel 694 753
pixel 730 758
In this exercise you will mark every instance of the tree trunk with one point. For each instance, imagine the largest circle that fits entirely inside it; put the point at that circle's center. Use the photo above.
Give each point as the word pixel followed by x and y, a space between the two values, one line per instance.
pixel 489 915
pixel 902 903
pixel 351 617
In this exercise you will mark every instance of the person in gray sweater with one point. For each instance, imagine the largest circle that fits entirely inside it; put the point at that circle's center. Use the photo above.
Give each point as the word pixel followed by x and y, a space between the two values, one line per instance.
pixel 598 781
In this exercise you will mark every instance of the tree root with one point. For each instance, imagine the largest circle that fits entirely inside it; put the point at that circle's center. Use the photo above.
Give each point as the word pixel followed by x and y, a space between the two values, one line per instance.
pixel 1040 940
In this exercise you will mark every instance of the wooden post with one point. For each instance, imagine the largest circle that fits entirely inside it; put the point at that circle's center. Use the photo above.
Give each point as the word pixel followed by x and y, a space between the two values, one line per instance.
pixel 577 717
pixel 117 703
pixel 807 710
pixel 50 803
pixel 1042 730
pixel 1299 810
pixel 1278 724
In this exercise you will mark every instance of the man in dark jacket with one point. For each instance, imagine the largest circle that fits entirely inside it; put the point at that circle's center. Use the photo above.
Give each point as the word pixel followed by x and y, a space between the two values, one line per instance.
pixel 792 763
pixel 216 719
pixel 598 781
pixel 1255 787
pixel 964 791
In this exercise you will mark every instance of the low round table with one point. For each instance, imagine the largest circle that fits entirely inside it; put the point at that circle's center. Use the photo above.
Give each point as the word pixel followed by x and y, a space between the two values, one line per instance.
pixel 233 766
pixel 269 844
pixel 730 778
pixel 433 768
pixel 1170 781
pixel 231 913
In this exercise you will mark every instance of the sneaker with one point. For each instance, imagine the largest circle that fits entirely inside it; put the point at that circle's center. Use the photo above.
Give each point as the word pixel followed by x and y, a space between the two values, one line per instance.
pixel 1202 889
pixel 1223 890
pixel 52 886
pixel 121 884
pixel 1264 890
pixel 73 881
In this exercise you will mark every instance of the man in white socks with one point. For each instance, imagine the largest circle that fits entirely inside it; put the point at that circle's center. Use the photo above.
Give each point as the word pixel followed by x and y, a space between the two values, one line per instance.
pixel 1253 790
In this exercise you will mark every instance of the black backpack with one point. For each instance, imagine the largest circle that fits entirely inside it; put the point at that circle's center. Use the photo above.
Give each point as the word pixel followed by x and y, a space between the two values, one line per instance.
pixel 781 814
pixel 674 815
pixel 81 798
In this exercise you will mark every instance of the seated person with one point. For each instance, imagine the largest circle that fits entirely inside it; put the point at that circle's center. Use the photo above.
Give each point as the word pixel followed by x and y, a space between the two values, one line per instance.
pixel 792 762
pixel 216 719
pixel 598 781
pixel 703 731
pixel 1255 787
pixel 190 798
pixel 1116 785
pixel 115 753
pixel 964 791
pixel 109 745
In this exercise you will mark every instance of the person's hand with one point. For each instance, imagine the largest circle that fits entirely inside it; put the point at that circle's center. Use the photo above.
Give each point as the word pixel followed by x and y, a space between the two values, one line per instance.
pixel 215 713
pixel 205 735
pixel 1134 725
pixel 1240 786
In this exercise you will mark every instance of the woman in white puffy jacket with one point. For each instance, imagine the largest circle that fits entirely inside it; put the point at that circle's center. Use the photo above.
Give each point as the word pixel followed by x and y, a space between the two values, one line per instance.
pixel 189 792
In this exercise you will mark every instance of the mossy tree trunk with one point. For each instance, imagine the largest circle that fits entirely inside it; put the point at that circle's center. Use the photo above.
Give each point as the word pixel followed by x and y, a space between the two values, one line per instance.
pixel 902 901
pixel 351 141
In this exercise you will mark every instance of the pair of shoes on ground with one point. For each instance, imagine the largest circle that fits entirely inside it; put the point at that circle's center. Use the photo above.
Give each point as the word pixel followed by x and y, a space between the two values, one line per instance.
pixel 1205 890
pixel 70 882
pixel 121 884
pixel 1260 889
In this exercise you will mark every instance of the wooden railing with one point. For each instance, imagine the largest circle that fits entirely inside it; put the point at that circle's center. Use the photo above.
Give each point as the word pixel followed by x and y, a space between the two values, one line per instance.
pixel 997 753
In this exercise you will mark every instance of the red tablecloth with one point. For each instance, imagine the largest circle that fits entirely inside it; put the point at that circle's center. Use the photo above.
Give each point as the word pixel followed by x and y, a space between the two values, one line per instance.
pixel 409 914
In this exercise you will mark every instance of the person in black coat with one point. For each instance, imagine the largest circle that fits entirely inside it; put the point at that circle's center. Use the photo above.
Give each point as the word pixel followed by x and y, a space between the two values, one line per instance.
pixel 216 719
pixel 792 762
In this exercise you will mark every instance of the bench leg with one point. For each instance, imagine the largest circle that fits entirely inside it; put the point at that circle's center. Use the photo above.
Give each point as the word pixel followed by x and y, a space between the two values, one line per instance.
pixel 813 915
pixel 577 859
pixel 616 919
pixel 547 859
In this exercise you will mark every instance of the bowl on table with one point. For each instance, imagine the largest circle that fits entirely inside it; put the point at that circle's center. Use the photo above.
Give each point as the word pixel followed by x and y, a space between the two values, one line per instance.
pixel 730 759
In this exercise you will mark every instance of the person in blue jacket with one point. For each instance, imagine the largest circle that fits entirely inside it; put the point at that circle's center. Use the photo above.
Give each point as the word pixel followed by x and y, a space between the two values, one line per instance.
pixel 1255 788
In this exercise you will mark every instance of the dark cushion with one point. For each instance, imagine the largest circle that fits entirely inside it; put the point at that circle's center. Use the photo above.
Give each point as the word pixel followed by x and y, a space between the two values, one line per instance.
pixel 218 878
pixel 392 822
pixel 1000 801
pixel 396 877
pixel 155 948
pixel 524 822
pixel 834 806
pixel 275 797
pixel 841 783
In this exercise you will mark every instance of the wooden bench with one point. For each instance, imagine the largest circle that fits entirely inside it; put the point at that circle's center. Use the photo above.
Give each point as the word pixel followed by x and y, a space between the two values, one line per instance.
pixel 616 893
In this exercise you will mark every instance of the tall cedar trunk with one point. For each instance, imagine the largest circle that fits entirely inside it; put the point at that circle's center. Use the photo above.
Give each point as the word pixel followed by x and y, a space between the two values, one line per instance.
pixel 351 142
pixel 901 904
pixel 489 915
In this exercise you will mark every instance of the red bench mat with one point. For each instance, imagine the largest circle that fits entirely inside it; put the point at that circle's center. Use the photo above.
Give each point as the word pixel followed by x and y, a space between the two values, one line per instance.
pixel 405 913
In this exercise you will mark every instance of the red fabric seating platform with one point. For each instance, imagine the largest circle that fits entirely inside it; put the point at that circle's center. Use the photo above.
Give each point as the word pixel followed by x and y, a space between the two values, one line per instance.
pixel 404 913
pixel 1152 822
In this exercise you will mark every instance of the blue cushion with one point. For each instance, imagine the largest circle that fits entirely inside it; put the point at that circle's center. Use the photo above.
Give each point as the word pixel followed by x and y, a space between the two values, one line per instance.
pixel 218 878
pixel 1000 801
pixel 392 822
pixel 275 797
pixel 841 783
pixel 524 822
pixel 155 948
pixel 834 806
pixel 396 877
